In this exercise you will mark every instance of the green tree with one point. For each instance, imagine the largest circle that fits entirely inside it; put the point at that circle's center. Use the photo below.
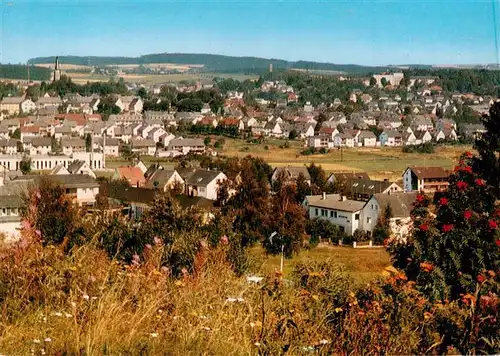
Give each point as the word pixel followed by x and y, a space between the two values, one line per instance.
pixel 107 107
pixel 303 188
pixel 373 81
pixel 88 143
pixel 293 134
pixel 143 93
pixel 207 140
pixel 318 179
pixel 25 165
pixel 16 134
pixel 382 230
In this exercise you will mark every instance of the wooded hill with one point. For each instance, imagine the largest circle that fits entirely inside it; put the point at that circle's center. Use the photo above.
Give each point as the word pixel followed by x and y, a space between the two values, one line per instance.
pixel 18 71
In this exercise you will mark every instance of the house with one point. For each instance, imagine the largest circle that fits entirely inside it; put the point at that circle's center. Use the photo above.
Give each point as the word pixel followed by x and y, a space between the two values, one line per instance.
pixel 145 147
pixel 319 142
pixel 401 205
pixel 340 211
pixel 10 204
pixel 304 130
pixel 330 132
pixel 187 145
pixel 341 178
pixel 343 140
pixel 4 132
pixel 444 124
pixel 45 102
pixel 422 123
pixel 472 131
pixel 367 138
pixel 232 122
pixel 204 183
pixel 291 173
pixel 9 147
pixel 80 167
pixel 133 175
pixel 165 179
pixel 139 164
pixel 81 187
pixel 72 145
pixel 27 106
pixel 409 138
pixel 11 104
pixel 423 137
pixel 273 129
pixel 426 179
pixel 446 135
pixel 363 189
pixel 391 138
pixel 156 133
pixel 136 106
pixel 40 146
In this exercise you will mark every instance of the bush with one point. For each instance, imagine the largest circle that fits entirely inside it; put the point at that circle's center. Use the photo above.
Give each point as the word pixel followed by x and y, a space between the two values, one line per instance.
pixel 427 147
pixel 360 236
pixel 322 229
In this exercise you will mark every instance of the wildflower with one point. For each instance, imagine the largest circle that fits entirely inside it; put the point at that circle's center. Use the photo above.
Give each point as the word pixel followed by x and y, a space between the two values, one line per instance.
pixel 94 298
pixel 492 224
pixel 224 240
pixel 420 198
pixel 324 342
pixel 47 339
pixel 426 266
pixel 480 182
pixel 447 227
pixel 42 351
pixel 57 314
pixel 467 214
pixel 38 195
pixel 257 344
pixel 424 227
pixel 136 259
pixel 468 154
pixel 443 201
pixel 468 169
pixel 86 297
pixel 206 328
pixel 457 168
pixel 92 279
pixel 184 271
pixel 254 279
pixel 481 278
pixel 148 247
pixel 153 335
pixel 491 273
pixel 67 315
pixel 427 315
pixel 38 233
pixel 157 240
pixel 252 325
pixel 497 242
pixel 468 299
pixel 338 310
pixel 461 185
pixel 36 341
pixel 234 300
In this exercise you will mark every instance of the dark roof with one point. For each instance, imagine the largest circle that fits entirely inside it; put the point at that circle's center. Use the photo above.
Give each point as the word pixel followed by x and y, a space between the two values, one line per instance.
pixel 334 202
pixel 401 203
pixel 185 173
pixel 41 141
pixel 365 186
pixel 293 172
pixel 65 180
pixel 200 202
pixel 128 194
pixel 75 166
pixel 161 176
pixel 430 172
pixel 202 177
pixel 344 176
pixel 11 195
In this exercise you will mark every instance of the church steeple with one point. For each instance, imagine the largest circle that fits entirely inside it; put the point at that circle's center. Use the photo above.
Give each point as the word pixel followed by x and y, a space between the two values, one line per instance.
pixel 57 71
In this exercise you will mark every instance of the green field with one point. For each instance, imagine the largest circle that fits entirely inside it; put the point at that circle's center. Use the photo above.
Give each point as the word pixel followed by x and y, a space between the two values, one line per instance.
pixel 362 264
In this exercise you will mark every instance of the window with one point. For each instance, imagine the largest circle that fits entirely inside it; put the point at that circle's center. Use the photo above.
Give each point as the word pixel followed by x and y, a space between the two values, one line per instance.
pixel 331 213
pixel 368 220
pixel 356 217
pixel 335 214
pixel 316 211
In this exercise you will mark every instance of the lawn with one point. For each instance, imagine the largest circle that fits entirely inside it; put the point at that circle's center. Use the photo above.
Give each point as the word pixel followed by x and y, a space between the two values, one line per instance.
pixel 362 265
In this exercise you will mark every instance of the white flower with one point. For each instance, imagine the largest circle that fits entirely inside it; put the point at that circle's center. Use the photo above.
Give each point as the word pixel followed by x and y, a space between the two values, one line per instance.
pixel 257 344
pixel 252 325
pixel 73 304
pixel 254 279
pixel 324 342
pixel 57 314
pixel 94 298
pixel 47 339
pixel 203 317
pixel 154 335
pixel 68 315
pixel 42 351
pixel 86 297
pixel 206 328
pixel 234 300
pixel 36 341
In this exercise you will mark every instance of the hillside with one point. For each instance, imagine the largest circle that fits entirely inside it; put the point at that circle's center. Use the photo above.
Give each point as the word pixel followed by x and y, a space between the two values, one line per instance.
pixel 211 62
pixel 16 71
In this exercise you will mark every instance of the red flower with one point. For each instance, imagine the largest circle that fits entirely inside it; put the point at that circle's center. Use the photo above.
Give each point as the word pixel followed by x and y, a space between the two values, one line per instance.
pixel 420 198
pixel 481 278
pixel 468 169
pixel 447 227
pixel 468 154
pixel 443 201
pixel 497 242
pixel 461 162
pixel 461 185
pixel 457 168
pixel 480 182
pixel 492 224
pixel 424 227
pixel 426 266
pixel 467 214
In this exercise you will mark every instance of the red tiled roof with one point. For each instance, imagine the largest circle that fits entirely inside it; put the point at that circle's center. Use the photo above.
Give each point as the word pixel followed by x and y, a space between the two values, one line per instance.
pixel 133 174
pixel 30 129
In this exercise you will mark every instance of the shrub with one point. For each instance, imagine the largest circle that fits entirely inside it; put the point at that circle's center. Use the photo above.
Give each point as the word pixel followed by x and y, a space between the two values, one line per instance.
pixel 360 236
pixel 427 147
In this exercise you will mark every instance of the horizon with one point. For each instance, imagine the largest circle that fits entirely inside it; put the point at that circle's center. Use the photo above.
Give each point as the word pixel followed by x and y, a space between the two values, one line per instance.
pixel 411 32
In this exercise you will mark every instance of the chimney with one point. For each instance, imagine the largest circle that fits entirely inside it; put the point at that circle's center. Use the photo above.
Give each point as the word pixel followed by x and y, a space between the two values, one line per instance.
pixel 386 179
pixel 324 195
pixel 343 198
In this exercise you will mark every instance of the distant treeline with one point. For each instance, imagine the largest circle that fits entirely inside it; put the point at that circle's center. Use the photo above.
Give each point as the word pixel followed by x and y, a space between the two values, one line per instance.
pixel 213 62
pixel 17 71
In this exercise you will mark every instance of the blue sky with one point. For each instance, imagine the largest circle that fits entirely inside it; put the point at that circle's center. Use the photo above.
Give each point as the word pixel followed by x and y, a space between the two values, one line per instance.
pixel 354 31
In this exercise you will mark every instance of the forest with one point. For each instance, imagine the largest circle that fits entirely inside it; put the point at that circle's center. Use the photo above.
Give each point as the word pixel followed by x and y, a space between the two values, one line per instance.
pixel 18 71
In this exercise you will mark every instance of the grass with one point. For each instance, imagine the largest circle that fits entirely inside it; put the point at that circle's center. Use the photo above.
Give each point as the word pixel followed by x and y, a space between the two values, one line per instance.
pixel 385 162
pixel 362 265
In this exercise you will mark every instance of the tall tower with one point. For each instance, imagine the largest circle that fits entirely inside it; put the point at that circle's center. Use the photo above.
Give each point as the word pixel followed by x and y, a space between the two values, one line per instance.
pixel 270 67
pixel 57 71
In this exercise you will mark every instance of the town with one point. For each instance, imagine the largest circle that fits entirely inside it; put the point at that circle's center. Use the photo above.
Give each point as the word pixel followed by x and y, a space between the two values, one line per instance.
pixel 53 129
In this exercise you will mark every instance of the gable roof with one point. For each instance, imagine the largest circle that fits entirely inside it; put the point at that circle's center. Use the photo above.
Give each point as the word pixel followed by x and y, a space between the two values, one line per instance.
pixel 366 186
pixel 344 176
pixel 401 203
pixel 75 166
pixel 132 174
pixel 162 176
pixel 429 172
pixel 65 180
pixel 293 172
pixel 202 177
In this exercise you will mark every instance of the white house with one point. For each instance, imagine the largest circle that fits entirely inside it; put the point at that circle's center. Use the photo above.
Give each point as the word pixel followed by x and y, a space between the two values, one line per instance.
pixel 426 179
pixel 340 211
pixel 27 106
pixel 367 139
pixel 10 204
pixel 80 167
pixel 401 206
pixel 204 183
pixel 164 179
